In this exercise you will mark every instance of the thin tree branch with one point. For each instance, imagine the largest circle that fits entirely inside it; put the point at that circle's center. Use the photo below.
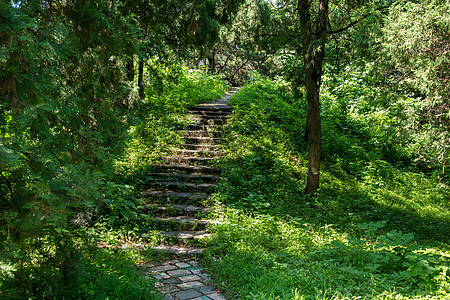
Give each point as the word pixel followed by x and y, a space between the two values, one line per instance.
pixel 277 35
pixel 237 70
pixel 353 23
pixel 284 5
pixel 225 63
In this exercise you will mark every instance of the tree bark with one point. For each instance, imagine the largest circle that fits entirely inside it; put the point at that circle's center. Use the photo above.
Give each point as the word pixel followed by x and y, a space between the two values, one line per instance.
pixel 141 78
pixel 130 68
pixel 313 42
pixel 212 61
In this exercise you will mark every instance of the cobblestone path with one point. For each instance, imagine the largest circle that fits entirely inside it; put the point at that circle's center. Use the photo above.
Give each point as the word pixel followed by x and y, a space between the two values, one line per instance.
pixel 183 279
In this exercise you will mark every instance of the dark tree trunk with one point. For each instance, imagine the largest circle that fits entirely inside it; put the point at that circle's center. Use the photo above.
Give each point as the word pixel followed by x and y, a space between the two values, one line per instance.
pixel 141 78
pixel 130 68
pixel 212 61
pixel 313 42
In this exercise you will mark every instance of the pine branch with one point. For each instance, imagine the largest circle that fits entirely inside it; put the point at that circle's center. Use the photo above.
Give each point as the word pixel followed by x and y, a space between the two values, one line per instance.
pixel 353 23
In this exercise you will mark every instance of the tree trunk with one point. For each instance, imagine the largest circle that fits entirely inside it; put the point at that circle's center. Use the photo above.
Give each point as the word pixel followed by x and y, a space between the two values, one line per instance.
pixel 313 42
pixel 141 78
pixel 212 61
pixel 130 68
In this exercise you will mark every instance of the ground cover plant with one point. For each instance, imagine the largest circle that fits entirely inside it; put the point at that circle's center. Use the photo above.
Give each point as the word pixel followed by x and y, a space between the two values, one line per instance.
pixel 377 228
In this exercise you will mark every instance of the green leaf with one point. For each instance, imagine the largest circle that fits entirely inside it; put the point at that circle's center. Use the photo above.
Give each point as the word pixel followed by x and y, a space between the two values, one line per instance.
pixel 125 214
pixel 396 243
pixel 409 236
pixel 129 204
pixel 379 245
pixel 382 238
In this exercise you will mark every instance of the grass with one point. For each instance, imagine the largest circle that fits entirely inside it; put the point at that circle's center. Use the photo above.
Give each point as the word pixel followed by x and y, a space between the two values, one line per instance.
pixel 375 229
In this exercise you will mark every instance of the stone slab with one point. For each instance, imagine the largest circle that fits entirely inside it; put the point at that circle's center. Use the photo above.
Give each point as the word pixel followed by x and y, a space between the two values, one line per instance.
pixel 163 268
pixel 189 278
pixel 217 296
pixel 179 272
pixel 188 294
pixel 190 285
pixel 183 265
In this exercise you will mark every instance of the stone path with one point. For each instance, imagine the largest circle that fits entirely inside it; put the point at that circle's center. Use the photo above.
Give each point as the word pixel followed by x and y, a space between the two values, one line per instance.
pixel 183 279
pixel 178 197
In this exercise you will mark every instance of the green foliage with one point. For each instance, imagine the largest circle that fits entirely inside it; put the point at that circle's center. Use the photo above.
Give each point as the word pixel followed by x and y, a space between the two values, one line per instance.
pixel 191 87
pixel 245 46
pixel 414 47
pixel 61 126
pixel 364 117
pixel 101 274
pixel 415 39
pixel 113 274
pixel 377 228
pixel 264 146
pixel 393 252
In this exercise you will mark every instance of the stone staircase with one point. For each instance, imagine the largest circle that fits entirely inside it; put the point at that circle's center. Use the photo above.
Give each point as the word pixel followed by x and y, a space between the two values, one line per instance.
pixel 178 196
pixel 179 190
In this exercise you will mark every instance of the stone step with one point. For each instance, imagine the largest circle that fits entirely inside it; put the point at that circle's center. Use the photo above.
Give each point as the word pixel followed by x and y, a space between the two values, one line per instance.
pixel 202 140
pixel 211 112
pixel 177 209
pixel 199 153
pixel 187 235
pixel 162 195
pixel 200 147
pixel 209 117
pixel 201 133
pixel 183 177
pixel 191 160
pixel 180 186
pixel 209 121
pixel 189 169
pixel 185 222
pixel 183 278
pixel 212 106
pixel 207 128
pixel 179 250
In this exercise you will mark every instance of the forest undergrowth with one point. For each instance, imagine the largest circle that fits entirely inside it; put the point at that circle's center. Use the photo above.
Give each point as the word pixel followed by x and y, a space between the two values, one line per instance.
pixel 376 229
